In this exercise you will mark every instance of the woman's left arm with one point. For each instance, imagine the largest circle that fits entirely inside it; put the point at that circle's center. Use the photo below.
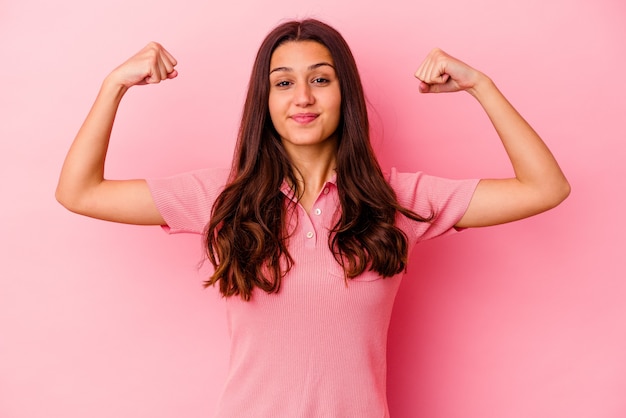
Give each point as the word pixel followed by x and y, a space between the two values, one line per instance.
pixel 538 185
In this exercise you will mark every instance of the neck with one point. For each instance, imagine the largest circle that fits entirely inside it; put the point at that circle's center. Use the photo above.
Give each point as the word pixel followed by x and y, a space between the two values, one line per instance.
pixel 314 166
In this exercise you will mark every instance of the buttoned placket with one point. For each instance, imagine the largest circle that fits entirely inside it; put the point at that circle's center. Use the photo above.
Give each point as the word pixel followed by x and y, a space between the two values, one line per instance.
pixel 312 224
pixel 315 220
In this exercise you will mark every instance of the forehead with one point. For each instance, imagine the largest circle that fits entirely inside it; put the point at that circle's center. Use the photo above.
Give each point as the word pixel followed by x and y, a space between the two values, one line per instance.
pixel 294 54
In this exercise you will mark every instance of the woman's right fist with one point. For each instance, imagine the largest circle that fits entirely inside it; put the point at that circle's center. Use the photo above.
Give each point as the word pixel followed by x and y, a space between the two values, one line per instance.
pixel 151 65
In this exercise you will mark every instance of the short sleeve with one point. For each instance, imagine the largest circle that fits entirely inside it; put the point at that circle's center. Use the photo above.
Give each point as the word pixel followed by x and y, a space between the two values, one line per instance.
pixel 446 200
pixel 185 200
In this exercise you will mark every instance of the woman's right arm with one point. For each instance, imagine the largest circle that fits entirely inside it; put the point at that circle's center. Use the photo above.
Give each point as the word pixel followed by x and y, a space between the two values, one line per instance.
pixel 82 187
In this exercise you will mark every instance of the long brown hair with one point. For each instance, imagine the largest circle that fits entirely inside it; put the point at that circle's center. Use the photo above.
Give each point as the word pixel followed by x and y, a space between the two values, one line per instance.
pixel 247 238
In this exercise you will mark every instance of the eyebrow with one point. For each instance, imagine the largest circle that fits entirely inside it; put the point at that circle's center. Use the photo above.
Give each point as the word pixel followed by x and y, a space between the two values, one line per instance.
pixel 311 67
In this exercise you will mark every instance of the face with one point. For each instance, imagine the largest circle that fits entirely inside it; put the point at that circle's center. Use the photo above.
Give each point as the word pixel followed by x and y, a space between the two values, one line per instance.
pixel 304 99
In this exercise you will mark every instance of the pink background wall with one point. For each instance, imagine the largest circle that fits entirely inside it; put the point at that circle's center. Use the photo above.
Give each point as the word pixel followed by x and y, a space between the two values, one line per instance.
pixel 521 320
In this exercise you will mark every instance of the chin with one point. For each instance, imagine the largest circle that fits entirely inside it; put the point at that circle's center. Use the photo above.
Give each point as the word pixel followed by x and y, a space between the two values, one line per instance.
pixel 303 141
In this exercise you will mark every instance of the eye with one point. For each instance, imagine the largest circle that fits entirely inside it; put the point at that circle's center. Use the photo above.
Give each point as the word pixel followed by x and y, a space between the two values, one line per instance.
pixel 321 80
pixel 282 84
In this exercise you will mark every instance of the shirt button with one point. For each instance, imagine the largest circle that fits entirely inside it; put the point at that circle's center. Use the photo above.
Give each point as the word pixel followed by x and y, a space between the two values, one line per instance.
pixel 309 234
pixel 326 190
pixel 318 211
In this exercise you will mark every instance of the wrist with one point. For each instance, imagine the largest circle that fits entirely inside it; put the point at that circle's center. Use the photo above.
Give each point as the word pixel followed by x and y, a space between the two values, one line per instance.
pixel 481 87
pixel 111 86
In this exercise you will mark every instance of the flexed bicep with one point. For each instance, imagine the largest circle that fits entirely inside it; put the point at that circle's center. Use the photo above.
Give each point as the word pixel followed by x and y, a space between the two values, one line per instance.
pixel 499 201
pixel 82 187
pixel 124 201
pixel 538 185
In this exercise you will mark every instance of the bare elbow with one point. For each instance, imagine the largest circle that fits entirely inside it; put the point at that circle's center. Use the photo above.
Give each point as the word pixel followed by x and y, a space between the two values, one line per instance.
pixel 549 196
pixel 62 198
pixel 559 193
pixel 566 190
pixel 67 199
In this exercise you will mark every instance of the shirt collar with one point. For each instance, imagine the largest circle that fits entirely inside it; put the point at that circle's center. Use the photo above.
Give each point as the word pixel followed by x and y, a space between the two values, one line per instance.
pixel 288 191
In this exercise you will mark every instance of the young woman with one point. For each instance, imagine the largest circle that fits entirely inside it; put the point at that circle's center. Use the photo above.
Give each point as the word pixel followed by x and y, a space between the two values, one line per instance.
pixel 308 237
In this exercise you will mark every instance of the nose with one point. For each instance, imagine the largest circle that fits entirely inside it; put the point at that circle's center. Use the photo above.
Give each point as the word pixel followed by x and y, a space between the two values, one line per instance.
pixel 303 95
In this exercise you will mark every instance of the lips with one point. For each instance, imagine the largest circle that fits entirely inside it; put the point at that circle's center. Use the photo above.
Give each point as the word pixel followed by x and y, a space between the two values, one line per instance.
pixel 304 118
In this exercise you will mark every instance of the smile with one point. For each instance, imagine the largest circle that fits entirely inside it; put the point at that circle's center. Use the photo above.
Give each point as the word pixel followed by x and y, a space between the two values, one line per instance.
pixel 304 118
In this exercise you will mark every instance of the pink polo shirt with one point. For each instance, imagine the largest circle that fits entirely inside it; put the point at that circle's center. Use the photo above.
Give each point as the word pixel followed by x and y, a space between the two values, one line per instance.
pixel 318 347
